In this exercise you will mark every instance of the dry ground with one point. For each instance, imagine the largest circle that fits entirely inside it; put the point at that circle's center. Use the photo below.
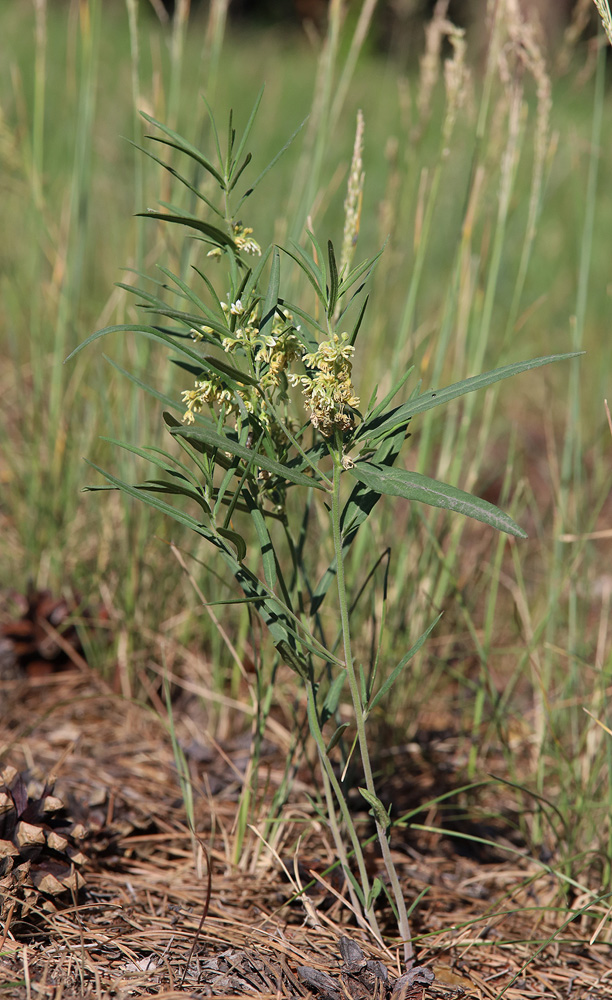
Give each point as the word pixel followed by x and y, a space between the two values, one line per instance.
pixel 132 931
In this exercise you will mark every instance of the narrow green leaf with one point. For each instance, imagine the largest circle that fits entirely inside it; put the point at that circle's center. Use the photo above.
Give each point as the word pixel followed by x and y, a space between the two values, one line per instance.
pixel 283 634
pixel 213 126
pixel 310 457
pixel 239 172
pixel 248 127
pixel 148 331
pixel 374 428
pixel 148 297
pixel 391 679
pixel 268 556
pixel 217 367
pixel 175 173
pixel 231 139
pixel 232 469
pixel 336 737
pixel 315 279
pixel 139 493
pixel 382 406
pixel 185 289
pixel 212 291
pixel 332 292
pixel 412 486
pixel 318 254
pixel 380 813
pixel 230 371
pixel 152 455
pixel 161 396
pixel 253 277
pixel 174 489
pixel 178 142
pixel 358 890
pixel 359 271
pixel 357 326
pixel 237 539
pixel 215 234
pixel 195 454
pixel 303 334
pixel 217 440
pixel 188 322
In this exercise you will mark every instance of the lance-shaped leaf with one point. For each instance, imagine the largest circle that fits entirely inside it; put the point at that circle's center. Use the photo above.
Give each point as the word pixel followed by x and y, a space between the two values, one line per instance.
pixel 313 272
pixel 266 547
pixel 413 486
pixel 216 440
pixel 237 539
pixel 246 133
pixel 359 271
pixel 336 737
pixel 374 893
pixel 380 813
pixel 215 234
pixel 178 142
pixel 161 396
pixel 332 277
pixel 382 424
pixel 172 170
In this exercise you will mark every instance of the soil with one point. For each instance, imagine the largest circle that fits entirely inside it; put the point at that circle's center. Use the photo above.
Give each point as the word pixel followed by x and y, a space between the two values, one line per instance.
pixel 163 913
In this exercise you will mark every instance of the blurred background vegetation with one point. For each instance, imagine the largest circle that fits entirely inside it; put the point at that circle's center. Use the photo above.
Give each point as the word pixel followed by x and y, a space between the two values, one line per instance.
pixel 496 249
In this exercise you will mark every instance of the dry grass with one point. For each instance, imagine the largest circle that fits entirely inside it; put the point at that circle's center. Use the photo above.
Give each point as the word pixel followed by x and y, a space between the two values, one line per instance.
pixel 486 911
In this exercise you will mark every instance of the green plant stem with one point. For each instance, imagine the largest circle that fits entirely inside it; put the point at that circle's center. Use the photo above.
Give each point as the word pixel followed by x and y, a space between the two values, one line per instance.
pixel 360 714
pixel 330 780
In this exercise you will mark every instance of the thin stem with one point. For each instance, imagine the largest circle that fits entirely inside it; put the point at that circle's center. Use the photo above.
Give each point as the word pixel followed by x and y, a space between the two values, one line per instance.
pixel 330 779
pixel 360 713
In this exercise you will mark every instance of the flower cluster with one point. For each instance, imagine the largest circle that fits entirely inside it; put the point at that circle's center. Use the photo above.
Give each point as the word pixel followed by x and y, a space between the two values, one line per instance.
pixel 207 392
pixel 270 353
pixel 269 356
pixel 242 236
pixel 242 239
pixel 327 386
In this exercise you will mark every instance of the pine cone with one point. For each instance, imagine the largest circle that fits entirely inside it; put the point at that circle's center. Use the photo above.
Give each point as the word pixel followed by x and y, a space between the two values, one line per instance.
pixel 39 851
pixel 38 635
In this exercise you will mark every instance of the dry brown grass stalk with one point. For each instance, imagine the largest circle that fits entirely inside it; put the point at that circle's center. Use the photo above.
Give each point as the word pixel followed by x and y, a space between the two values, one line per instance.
pixel 134 929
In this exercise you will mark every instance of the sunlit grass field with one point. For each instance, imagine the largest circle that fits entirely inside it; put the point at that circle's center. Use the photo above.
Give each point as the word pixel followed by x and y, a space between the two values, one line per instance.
pixel 495 216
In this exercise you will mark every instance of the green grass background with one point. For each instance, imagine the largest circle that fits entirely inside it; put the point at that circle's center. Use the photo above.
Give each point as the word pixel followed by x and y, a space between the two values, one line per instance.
pixel 524 642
